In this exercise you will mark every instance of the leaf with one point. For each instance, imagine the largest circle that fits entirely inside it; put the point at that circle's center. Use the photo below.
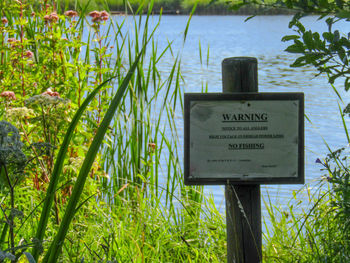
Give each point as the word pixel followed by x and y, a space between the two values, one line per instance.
pixel 4 255
pixel 236 7
pixel 58 167
pixel 336 36
pixel 347 85
pixel 340 3
pixel 343 14
pixel 323 4
pixel 299 62
pixel 29 257
pixel 295 48
pixel 289 4
pixel 289 37
pixel 250 17
pixel 56 246
pixel 328 36
pixel 308 40
pixel 189 20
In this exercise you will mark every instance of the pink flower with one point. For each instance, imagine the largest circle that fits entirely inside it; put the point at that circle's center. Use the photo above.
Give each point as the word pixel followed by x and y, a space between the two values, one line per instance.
pixel 28 54
pixel 96 19
pixel 94 14
pixel 4 20
pixel 104 15
pixel 71 13
pixel 51 93
pixel 53 17
pixel 11 40
pixel 10 95
pixel 99 16
pixel 152 146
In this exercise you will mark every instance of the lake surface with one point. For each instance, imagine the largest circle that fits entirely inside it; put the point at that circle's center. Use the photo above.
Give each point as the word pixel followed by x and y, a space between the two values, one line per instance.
pixel 260 37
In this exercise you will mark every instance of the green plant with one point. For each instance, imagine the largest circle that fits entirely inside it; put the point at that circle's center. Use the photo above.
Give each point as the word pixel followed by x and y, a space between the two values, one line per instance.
pixel 66 83
pixel 13 162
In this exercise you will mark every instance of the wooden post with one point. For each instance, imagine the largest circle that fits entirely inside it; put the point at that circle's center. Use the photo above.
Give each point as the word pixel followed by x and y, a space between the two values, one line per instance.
pixel 243 207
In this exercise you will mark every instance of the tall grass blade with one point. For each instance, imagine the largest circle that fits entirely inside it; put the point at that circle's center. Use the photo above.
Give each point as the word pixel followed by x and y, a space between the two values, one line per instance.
pixel 56 246
pixel 45 213
pixel 30 258
pixel 344 124
pixel 189 20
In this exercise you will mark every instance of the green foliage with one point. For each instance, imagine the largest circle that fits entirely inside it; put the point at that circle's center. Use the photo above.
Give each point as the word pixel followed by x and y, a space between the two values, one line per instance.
pixel 96 120
pixel 320 233
pixel 299 234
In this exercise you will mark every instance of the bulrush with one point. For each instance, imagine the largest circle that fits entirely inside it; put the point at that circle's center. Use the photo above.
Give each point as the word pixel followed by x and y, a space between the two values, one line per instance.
pixel 10 95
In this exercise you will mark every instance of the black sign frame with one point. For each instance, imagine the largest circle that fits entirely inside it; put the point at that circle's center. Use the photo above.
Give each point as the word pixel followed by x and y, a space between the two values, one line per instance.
pixel 285 96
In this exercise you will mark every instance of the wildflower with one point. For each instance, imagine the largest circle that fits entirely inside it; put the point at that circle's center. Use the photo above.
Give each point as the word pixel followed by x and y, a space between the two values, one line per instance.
pixel 94 14
pixel 28 54
pixel 45 100
pixel 19 113
pixel 96 19
pixel 71 13
pixel 47 18
pixel 10 95
pixel 318 161
pixel 12 41
pixel 152 146
pixel 104 15
pixel 32 14
pixel 53 17
pixel 99 16
pixel 51 93
pixel 4 20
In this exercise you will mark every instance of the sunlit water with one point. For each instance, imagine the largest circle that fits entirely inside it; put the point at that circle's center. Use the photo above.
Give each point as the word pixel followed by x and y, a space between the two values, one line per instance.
pixel 260 37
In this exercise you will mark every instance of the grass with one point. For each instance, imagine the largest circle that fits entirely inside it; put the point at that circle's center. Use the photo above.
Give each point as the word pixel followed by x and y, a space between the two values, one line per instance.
pixel 102 179
pixel 79 203
pixel 203 7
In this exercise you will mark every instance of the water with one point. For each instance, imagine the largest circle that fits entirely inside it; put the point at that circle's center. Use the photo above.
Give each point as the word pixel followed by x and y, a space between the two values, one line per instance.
pixel 260 37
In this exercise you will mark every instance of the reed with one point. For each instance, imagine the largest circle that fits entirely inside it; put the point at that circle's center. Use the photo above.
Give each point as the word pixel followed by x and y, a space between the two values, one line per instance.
pixel 113 189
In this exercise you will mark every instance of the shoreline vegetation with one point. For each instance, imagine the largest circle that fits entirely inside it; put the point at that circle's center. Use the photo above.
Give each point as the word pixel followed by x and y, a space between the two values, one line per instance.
pixel 184 7
pixel 90 166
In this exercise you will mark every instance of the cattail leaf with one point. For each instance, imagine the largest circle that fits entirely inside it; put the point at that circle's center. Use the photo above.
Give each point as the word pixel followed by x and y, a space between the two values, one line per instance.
pixel 56 246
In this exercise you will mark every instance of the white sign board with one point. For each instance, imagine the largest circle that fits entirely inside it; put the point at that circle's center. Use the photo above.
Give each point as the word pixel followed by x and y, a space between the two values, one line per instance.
pixel 245 138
